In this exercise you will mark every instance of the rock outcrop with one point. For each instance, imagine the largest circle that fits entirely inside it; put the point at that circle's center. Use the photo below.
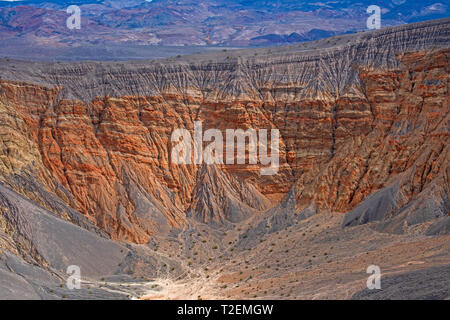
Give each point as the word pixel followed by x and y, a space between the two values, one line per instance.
pixel 353 119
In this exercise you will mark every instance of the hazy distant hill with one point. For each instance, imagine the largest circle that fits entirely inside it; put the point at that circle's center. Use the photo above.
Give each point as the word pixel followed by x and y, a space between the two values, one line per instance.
pixel 41 25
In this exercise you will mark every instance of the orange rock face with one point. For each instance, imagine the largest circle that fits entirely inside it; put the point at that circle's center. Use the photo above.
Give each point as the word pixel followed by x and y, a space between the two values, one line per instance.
pixel 405 141
pixel 111 158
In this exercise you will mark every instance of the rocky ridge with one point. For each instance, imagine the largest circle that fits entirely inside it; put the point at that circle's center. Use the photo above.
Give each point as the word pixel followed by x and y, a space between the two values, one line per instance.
pixel 354 119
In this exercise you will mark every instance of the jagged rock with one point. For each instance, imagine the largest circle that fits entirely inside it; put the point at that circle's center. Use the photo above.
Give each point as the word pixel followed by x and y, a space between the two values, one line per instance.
pixel 219 197
pixel 440 227
pixel 353 119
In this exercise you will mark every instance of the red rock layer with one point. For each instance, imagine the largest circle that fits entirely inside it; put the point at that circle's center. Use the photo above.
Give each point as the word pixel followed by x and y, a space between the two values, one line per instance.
pixel 112 156
pixel 407 141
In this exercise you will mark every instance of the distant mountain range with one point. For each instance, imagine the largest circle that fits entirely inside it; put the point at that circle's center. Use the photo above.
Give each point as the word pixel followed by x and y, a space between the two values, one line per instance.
pixel 36 26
